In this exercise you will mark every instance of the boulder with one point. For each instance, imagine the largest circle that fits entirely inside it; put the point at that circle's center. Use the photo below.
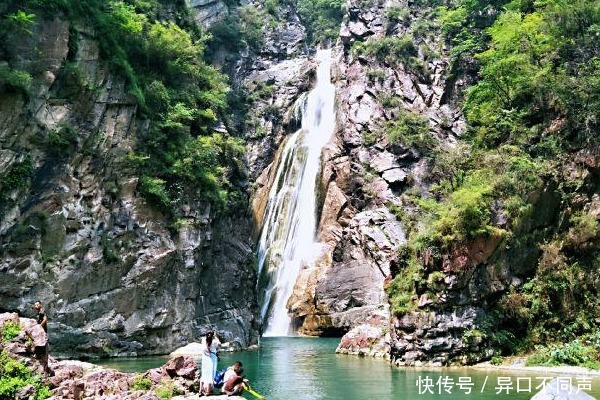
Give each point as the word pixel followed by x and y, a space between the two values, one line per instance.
pixel 183 366
pixel 193 349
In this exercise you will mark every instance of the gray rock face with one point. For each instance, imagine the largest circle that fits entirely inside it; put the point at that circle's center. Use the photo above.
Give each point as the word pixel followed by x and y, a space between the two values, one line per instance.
pixel 436 338
pixel 373 174
pixel 207 12
pixel 114 277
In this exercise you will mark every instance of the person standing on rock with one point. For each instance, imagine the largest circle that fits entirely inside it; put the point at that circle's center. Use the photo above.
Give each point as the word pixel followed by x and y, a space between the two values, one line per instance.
pixel 40 341
pixel 42 318
pixel 209 363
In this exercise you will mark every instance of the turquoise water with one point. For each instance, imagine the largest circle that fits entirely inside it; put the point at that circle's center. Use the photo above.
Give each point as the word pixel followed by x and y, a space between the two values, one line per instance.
pixel 309 369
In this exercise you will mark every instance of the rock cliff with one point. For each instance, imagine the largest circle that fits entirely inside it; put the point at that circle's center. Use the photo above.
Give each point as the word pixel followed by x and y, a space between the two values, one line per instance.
pixel 117 277
pixel 391 65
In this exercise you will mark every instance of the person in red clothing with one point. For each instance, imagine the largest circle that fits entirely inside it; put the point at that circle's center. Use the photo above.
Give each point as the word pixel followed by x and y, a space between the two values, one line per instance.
pixel 235 383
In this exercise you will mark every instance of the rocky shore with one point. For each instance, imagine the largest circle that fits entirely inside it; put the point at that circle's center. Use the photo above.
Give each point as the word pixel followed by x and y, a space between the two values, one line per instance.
pixel 20 357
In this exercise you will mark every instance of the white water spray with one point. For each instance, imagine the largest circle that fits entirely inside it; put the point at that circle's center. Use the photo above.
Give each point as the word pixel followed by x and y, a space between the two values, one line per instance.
pixel 287 240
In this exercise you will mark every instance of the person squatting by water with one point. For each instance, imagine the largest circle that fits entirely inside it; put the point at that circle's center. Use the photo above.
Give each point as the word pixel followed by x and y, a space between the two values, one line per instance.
pixel 235 383
pixel 41 352
pixel 209 363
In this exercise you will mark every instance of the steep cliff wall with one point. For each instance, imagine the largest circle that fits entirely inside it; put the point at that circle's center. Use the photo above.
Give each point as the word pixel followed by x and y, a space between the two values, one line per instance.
pixel 495 233
pixel 117 276
pixel 399 122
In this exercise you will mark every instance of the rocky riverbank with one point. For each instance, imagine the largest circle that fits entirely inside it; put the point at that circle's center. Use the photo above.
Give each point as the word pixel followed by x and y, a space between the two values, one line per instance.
pixel 22 372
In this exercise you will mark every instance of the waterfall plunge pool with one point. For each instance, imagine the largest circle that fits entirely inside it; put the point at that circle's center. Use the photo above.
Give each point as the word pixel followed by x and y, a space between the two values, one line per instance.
pixel 300 368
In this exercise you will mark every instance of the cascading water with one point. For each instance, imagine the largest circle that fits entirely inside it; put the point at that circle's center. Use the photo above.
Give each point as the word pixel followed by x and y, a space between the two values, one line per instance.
pixel 287 240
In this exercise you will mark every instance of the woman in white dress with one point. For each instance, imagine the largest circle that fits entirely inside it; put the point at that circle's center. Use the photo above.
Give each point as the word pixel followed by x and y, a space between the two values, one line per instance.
pixel 209 363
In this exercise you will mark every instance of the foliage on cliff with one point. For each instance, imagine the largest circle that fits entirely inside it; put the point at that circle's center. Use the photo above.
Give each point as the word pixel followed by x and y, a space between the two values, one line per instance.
pixel 162 61
pixel 321 18
pixel 533 122
pixel 14 376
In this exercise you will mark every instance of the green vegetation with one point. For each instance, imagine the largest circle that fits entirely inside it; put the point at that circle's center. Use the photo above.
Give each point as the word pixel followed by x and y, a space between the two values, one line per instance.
pixel 246 28
pixel 163 64
pixel 412 130
pixel 14 376
pixel 571 353
pixel 140 382
pixel 322 19
pixel 110 252
pixel 62 142
pixel 401 290
pixel 10 330
pixel 166 389
pixel 17 176
pixel 14 80
pixel 393 51
pixel 534 107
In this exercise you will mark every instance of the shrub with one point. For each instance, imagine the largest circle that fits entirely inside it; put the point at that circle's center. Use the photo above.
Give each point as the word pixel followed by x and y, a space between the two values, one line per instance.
pixel 14 80
pixel 14 376
pixel 62 143
pixel 110 253
pixel 226 34
pixel 571 353
pixel 584 228
pixel 166 389
pixel 10 330
pixel 253 22
pixel 401 290
pixel 322 19
pixel 140 382
pixel 465 215
pixel 154 190
pixel 496 360
pixel 16 176
pixel 411 129
pixel 391 50
pixel 397 14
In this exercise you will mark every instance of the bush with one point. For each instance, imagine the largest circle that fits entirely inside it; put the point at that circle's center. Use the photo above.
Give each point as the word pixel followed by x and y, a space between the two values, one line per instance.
pixel 391 50
pixel 10 330
pixel 252 23
pixel 226 34
pixel 62 143
pixel 571 353
pixel 411 129
pixel 16 176
pixel 14 80
pixel 465 215
pixel 14 376
pixel 401 290
pixel 322 19
pixel 166 389
pixel 140 382
pixel 154 190
pixel 496 360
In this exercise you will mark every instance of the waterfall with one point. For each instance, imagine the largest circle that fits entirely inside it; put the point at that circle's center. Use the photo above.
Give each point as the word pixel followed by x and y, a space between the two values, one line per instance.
pixel 287 241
